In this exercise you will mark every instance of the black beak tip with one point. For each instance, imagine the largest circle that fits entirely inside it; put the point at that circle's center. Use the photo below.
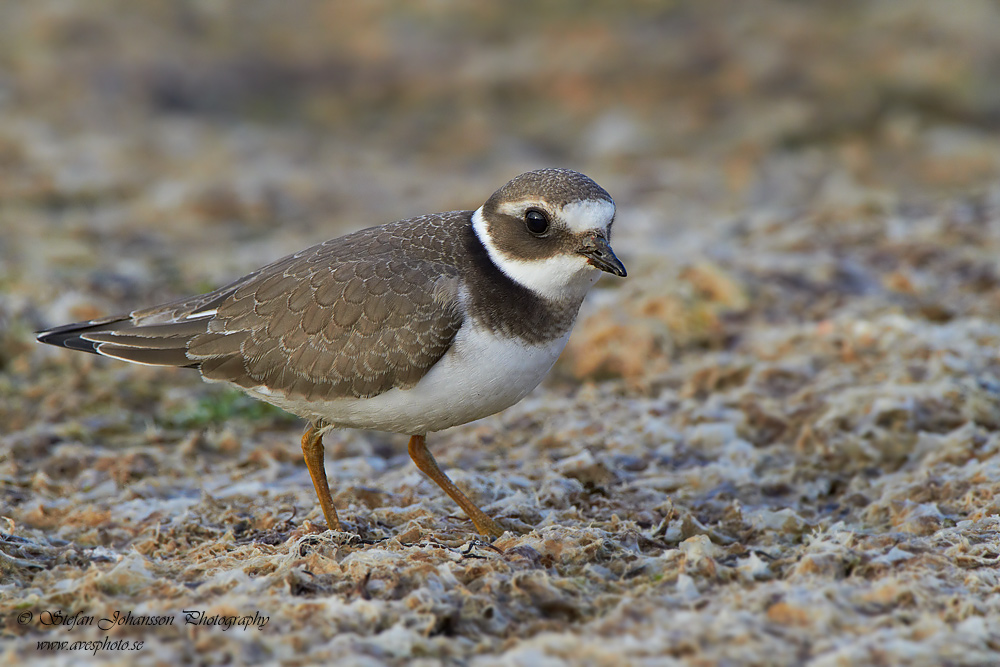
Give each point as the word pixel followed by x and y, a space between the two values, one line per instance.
pixel 600 255
pixel 610 265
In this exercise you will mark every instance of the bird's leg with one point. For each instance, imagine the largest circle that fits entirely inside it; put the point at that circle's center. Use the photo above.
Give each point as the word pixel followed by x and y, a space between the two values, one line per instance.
pixel 312 450
pixel 426 463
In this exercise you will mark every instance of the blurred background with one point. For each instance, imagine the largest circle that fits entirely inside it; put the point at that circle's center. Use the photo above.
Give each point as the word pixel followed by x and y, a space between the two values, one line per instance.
pixel 792 403
pixel 151 150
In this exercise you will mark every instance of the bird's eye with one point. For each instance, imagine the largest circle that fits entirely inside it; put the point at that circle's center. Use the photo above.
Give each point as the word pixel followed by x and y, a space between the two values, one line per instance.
pixel 536 221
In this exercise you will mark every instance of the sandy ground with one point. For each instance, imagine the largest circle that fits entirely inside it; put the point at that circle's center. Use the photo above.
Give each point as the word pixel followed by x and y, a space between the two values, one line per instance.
pixel 775 443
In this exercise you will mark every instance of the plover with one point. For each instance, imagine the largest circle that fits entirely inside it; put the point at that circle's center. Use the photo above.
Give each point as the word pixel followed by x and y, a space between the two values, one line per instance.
pixel 410 327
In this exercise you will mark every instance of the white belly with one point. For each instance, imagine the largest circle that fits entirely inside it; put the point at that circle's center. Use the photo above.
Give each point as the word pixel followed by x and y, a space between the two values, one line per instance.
pixel 479 375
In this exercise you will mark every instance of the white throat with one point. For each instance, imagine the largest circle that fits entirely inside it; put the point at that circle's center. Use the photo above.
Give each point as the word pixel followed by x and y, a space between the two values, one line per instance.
pixel 555 278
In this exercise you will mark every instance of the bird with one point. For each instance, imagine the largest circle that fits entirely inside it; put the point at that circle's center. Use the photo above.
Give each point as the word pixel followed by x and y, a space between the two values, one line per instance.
pixel 410 327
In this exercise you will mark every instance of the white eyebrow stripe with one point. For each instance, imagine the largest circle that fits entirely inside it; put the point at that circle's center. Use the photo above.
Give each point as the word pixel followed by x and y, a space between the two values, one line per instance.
pixel 579 216
pixel 517 208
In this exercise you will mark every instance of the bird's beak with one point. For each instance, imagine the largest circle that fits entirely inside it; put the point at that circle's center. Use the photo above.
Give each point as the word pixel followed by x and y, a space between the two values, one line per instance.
pixel 599 254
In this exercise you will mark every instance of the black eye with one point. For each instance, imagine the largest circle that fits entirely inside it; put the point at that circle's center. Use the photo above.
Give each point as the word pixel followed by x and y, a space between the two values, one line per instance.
pixel 536 221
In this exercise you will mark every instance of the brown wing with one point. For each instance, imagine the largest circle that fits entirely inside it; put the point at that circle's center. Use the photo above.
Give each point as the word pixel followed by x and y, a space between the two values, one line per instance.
pixel 355 316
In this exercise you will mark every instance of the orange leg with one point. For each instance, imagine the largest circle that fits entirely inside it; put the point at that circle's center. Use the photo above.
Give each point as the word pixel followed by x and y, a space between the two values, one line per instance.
pixel 312 450
pixel 426 463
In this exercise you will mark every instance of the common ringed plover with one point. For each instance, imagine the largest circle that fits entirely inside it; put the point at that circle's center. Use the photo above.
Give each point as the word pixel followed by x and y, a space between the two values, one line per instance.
pixel 410 327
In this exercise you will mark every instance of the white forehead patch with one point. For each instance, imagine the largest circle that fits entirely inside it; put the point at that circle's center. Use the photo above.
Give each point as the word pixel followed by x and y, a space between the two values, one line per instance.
pixel 557 278
pixel 583 216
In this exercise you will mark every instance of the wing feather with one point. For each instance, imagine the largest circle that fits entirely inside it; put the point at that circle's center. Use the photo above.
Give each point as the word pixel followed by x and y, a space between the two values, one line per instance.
pixel 354 316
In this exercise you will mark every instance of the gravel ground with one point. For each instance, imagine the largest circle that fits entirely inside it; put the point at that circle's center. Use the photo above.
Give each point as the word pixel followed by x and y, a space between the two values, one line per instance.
pixel 775 443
